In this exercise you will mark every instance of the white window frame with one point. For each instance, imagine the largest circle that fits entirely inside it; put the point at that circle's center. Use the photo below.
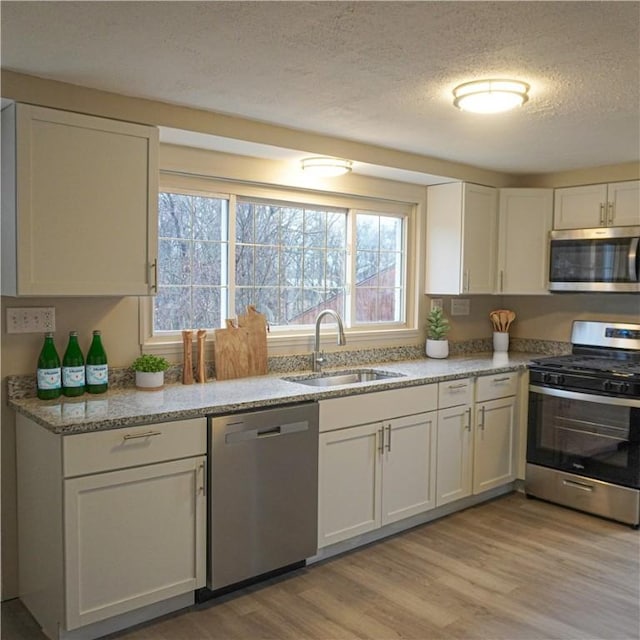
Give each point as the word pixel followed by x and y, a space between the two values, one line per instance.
pixel 288 338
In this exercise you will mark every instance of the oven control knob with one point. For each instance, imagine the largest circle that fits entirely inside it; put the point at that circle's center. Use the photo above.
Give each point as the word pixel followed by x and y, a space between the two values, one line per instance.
pixel 616 387
pixel 553 378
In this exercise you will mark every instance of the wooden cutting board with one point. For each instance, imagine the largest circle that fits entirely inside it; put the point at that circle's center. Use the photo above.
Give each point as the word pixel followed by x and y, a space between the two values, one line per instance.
pixel 256 325
pixel 241 351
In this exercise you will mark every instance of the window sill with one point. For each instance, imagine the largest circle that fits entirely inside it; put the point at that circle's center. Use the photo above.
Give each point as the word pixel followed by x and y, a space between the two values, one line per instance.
pixel 303 342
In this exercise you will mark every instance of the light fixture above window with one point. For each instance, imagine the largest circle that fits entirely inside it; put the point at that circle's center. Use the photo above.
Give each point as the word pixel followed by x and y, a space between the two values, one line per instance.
pixel 490 96
pixel 325 167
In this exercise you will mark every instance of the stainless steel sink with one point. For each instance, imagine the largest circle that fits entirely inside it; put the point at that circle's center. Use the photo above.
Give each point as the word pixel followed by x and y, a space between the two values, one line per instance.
pixel 343 377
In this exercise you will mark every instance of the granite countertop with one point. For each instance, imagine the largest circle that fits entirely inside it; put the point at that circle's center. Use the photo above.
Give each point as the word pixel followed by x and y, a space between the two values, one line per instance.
pixel 129 407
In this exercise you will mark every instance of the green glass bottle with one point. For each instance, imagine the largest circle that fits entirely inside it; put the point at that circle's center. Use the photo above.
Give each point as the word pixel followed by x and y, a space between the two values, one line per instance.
pixel 73 368
pixel 97 369
pixel 49 373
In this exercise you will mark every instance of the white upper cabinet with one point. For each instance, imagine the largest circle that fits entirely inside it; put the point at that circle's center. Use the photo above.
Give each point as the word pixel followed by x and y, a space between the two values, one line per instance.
pixel 461 239
pixel 79 204
pixel 524 221
pixel 598 205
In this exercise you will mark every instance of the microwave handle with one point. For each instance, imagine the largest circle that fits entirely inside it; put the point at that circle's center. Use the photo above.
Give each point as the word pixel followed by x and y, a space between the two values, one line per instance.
pixel 634 276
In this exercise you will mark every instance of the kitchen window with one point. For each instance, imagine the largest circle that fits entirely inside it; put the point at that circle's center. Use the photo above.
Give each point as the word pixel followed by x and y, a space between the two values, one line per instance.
pixel 290 256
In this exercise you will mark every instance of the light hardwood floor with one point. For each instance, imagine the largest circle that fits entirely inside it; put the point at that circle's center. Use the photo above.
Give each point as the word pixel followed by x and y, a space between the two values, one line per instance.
pixel 511 569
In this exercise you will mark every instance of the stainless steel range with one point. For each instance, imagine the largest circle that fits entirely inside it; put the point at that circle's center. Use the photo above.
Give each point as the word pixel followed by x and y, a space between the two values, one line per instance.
pixel 583 442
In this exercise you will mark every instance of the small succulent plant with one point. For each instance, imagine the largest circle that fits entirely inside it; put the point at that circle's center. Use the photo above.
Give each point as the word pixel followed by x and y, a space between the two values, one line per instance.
pixel 437 325
pixel 149 363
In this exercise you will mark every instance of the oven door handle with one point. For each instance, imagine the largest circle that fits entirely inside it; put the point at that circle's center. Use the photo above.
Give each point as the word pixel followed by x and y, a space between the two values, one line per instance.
pixel 586 397
pixel 633 260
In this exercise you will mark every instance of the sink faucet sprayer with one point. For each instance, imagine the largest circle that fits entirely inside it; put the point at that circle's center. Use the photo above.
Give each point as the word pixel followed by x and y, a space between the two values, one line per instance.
pixel 318 356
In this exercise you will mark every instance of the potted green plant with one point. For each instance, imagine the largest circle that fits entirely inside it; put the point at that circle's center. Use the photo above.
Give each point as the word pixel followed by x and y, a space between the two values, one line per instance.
pixel 437 329
pixel 149 370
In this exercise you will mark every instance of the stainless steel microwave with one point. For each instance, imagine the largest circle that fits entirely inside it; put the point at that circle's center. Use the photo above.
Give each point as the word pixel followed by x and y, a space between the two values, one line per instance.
pixel 602 259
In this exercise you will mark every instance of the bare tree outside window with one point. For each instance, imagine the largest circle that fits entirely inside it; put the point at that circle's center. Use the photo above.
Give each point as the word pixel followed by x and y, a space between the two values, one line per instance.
pixel 192 249
pixel 291 262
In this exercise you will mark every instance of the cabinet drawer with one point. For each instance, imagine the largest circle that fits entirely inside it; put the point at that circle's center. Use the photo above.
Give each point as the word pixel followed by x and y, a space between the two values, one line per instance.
pixel 373 407
pixel 86 453
pixel 455 392
pixel 499 385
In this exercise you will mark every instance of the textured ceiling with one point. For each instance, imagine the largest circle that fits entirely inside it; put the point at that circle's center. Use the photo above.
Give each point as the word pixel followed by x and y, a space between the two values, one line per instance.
pixel 375 72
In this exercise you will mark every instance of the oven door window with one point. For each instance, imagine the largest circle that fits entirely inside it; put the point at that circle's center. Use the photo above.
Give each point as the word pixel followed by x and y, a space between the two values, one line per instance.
pixel 598 439
pixel 593 261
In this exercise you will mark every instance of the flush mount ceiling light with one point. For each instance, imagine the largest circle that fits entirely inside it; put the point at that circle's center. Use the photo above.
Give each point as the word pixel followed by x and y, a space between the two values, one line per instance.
pixel 326 167
pixel 490 96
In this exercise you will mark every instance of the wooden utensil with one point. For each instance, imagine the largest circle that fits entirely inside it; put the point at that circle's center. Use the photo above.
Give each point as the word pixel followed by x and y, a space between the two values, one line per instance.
pixel 495 320
pixel 201 373
pixel 511 316
pixel 187 361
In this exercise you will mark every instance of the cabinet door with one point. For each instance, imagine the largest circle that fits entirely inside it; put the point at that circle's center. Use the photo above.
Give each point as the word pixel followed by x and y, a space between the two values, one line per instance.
pixel 494 442
pixel 454 454
pixel 624 204
pixel 580 207
pixel 133 537
pixel 409 466
pixel 349 477
pixel 479 239
pixel 524 222
pixel 86 204
pixel 444 239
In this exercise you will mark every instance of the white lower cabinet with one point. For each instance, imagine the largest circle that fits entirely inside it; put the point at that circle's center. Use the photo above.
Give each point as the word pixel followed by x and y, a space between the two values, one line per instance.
pixel 494 444
pixel 349 481
pixel 132 538
pixel 477 441
pixel 377 473
pixel 455 441
pixel 112 523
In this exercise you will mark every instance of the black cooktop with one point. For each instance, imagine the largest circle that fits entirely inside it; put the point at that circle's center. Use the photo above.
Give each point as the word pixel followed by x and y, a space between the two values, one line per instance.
pixel 619 365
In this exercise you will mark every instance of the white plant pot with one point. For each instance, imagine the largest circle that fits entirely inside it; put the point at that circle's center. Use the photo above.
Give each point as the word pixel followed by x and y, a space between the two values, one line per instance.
pixel 150 380
pixel 437 348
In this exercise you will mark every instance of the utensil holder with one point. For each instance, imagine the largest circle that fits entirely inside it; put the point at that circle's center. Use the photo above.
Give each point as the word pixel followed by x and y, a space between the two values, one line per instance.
pixel 500 341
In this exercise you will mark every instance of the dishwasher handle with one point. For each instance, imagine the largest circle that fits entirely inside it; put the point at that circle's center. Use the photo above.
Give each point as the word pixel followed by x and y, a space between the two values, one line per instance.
pixel 257 433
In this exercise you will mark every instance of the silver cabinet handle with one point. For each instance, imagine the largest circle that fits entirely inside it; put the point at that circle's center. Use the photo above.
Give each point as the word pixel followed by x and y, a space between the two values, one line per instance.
pixel 501 280
pixel 146 434
pixel 610 216
pixel 481 420
pixel 468 425
pixel 578 485
pixel 603 220
pixel 381 437
pixel 389 438
pixel 202 467
pixel 505 379
pixel 465 281
pixel 153 281
pixel 633 260
pixel 457 386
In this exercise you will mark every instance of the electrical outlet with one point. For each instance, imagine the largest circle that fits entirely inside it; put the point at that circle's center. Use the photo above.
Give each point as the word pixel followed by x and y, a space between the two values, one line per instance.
pixel 436 303
pixel 31 319
pixel 460 306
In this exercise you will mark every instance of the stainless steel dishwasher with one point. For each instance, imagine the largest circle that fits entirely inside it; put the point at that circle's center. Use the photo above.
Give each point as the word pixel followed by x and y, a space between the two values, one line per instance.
pixel 263 492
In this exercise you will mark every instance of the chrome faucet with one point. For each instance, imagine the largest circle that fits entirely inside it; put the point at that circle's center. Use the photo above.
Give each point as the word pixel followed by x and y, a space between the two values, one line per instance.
pixel 318 356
